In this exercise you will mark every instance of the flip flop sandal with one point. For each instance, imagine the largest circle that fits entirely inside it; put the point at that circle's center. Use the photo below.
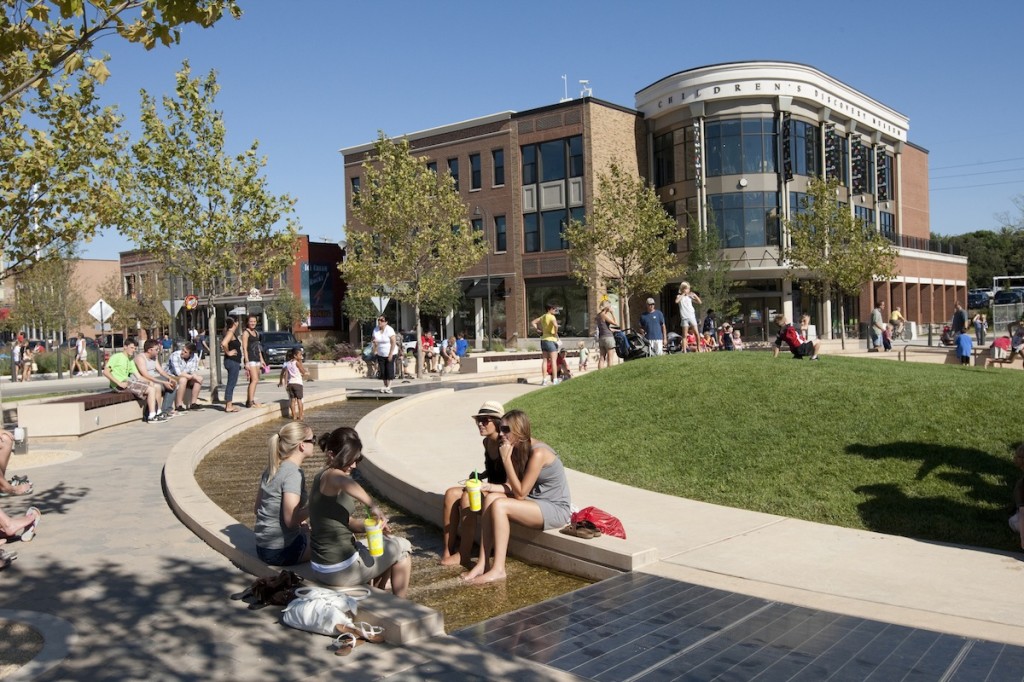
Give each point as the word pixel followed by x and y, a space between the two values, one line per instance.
pixel 28 533
pixel 371 633
pixel 8 556
pixel 345 643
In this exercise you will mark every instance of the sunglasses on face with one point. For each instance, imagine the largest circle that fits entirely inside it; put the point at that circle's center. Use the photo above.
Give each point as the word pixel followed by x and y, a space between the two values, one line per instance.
pixel 504 428
pixel 311 440
pixel 483 420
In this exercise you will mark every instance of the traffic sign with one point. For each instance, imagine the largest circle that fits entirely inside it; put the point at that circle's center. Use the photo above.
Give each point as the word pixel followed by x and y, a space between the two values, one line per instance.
pixel 191 302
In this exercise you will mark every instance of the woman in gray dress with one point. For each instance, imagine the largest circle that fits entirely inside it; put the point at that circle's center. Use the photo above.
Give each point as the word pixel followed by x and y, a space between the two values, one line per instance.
pixel 537 496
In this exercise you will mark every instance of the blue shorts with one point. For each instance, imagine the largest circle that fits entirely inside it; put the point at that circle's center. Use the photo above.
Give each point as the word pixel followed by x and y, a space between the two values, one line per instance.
pixel 286 556
pixel 548 346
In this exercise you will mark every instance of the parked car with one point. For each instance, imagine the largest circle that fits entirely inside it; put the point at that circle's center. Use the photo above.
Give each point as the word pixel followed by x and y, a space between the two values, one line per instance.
pixel 1006 296
pixel 276 346
pixel 977 299
pixel 409 342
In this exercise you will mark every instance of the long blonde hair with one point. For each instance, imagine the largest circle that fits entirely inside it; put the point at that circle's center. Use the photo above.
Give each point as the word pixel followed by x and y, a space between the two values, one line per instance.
pixel 519 425
pixel 282 444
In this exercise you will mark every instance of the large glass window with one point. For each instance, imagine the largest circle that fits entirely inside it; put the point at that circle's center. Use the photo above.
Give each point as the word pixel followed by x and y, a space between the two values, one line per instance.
pixel 664 162
pixel 531 233
pixel 475 178
pixel 500 236
pixel 553 230
pixel 571 298
pixel 746 218
pixel 432 166
pixel 805 149
pixel 498 161
pixel 887 225
pixel 837 156
pixel 738 146
pixel 576 156
pixel 552 160
pixel 866 216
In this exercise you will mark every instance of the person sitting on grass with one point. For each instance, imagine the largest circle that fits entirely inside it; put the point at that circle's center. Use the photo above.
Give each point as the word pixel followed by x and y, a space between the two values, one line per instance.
pixel 123 376
pixel 294 372
pixel 538 496
pixel 1017 520
pixel 183 365
pixel 18 485
pixel 791 337
pixel 460 524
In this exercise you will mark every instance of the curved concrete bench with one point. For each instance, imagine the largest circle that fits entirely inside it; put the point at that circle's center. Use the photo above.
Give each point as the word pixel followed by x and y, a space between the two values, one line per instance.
pixel 404 621
pixel 78 415
pixel 416 489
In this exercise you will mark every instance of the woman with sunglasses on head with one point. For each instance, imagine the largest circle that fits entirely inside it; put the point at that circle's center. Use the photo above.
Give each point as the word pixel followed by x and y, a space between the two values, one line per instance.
pixel 338 559
pixel 460 521
pixel 538 495
pixel 281 509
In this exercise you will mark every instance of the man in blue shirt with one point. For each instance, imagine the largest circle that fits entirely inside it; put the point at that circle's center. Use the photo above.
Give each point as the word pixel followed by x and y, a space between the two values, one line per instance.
pixel 653 325
pixel 461 345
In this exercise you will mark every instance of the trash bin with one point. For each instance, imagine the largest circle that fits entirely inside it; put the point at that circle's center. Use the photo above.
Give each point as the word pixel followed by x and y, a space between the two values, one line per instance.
pixel 20 440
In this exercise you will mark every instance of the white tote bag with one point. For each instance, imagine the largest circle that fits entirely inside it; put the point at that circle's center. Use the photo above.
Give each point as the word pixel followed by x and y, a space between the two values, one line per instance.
pixel 321 610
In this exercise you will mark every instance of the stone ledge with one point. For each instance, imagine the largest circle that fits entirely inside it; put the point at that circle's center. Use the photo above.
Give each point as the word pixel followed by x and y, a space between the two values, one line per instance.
pixel 404 621
pixel 62 418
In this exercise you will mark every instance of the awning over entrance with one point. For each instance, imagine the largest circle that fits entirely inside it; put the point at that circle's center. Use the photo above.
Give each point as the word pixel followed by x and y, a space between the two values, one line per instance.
pixel 477 288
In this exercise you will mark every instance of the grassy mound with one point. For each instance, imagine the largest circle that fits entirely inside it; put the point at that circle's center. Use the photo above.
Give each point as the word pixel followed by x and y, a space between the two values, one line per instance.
pixel 910 449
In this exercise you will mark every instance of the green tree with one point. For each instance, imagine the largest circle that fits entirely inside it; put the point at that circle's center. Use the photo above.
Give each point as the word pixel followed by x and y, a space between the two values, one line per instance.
pixel 145 310
pixel 59 155
pixel 412 238
pixel 44 37
pixel 708 270
pixel 836 250
pixel 625 241
pixel 209 213
pixel 287 309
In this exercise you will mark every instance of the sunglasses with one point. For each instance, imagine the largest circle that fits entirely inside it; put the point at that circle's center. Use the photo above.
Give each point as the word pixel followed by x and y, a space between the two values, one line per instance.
pixel 311 440
pixel 504 428
pixel 483 420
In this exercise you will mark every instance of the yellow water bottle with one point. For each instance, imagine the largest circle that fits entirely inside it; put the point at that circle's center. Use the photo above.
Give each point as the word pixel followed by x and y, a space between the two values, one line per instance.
pixel 473 488
pixel 374 536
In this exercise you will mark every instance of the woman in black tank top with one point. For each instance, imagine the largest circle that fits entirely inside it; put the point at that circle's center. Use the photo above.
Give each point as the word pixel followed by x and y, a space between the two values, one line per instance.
pixel 253 359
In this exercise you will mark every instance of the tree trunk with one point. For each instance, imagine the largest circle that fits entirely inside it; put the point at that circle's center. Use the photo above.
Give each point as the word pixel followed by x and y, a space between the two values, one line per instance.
pixel 842 323
pixel 211 333
pixel 419 338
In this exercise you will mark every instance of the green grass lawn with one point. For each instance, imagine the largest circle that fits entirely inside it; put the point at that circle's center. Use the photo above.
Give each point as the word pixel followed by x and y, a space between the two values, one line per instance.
pixel 909 449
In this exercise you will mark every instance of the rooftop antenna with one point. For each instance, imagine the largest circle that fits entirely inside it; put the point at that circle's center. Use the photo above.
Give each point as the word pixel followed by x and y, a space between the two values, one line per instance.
pixel 565 87
pixel 585 89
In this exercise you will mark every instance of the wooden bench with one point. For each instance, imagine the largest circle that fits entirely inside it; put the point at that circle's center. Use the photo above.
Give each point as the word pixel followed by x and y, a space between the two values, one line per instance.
pixel 78 415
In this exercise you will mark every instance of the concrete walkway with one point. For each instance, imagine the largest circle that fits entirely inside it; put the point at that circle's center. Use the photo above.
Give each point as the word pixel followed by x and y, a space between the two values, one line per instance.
pixel 139 596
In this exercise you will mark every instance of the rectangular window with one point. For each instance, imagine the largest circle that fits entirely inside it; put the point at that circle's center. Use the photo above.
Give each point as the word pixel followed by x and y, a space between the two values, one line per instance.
pixel 887 225
pixel 530 164
pixel 475 179
pixel 531 233
pixel 552 160
pixel 664 160
pixel 498 160
pixel 805 149
pixel 553 228
pixel 432 166
pixel 883 184
pixel 453 169
pixel 859 161
pixel 576 156
pixel 737 147
pixel 866 216
pixel 478 225
pixel 746 218
pixel 355 185
pixel 500 237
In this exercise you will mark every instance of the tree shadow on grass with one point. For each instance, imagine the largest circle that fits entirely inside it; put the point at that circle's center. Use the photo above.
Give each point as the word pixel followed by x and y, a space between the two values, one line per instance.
pixel 986 479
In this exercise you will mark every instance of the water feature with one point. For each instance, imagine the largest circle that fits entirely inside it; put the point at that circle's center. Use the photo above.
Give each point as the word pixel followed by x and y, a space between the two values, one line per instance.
pixel 230 474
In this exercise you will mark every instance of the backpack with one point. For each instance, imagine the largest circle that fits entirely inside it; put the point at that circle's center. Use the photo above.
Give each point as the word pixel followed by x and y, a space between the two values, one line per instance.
pixel 621 344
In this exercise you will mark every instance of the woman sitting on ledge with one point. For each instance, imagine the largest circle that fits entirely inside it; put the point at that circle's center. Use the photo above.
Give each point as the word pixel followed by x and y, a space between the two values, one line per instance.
pixel 538 496
pixel 281 501
pixel 338 559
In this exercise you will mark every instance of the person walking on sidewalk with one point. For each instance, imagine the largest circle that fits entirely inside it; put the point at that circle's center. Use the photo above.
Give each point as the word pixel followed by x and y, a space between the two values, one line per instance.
pixel 547 325
pixel 877 327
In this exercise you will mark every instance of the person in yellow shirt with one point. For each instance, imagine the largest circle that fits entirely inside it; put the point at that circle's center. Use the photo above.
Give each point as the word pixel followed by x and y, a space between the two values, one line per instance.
pixel 896 319
pixel 547 325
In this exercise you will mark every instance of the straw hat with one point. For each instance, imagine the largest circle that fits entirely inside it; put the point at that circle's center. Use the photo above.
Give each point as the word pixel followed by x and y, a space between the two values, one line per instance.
pixel 492 408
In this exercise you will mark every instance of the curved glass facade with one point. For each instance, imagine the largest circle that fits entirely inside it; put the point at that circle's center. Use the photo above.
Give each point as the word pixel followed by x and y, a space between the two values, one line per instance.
pixel 746 218
pixel 741 146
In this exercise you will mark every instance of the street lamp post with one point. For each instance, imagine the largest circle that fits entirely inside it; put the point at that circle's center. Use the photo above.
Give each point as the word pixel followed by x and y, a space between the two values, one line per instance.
pixel 480 212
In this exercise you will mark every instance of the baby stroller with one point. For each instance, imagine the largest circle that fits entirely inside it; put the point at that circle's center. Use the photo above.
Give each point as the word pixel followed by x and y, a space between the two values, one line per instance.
pixel 629 345
pixel 948 338
pixel 674 344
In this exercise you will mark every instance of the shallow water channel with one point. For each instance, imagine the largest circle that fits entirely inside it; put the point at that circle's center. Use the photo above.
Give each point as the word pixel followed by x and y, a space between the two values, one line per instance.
pixel 230 476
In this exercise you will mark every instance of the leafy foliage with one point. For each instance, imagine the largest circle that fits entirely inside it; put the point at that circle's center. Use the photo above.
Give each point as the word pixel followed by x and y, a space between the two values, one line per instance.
pixel 412 238
pixel 992 254
pixel 287 308
pixel 143 311
pixel 49 295
pixel 708 270
pixel 59 154
pixel 43 37
pixel 625 239
pixel 839 251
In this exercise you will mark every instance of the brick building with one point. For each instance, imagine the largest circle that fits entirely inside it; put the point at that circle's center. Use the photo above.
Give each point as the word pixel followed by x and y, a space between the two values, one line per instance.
pixel 740 140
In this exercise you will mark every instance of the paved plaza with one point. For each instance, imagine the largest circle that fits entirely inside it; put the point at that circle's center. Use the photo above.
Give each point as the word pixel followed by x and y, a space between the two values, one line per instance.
pixel 122 590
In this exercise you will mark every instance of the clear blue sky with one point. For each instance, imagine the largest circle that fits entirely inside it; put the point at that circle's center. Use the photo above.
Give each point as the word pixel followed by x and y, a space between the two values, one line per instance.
pixel 309 77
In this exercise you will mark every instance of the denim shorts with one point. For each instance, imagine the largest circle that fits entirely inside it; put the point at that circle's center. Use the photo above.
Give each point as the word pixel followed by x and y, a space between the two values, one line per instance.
pixel 286 556
pixel 548 346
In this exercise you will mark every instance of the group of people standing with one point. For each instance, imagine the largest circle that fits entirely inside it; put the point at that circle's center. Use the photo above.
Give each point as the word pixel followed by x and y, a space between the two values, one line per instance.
pixel 242 350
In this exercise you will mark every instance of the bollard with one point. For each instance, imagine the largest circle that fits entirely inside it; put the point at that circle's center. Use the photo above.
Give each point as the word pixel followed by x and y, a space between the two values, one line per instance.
pixel 930 335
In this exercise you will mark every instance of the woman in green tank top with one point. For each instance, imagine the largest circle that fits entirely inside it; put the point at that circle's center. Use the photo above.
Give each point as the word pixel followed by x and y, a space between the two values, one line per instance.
pixel 338 558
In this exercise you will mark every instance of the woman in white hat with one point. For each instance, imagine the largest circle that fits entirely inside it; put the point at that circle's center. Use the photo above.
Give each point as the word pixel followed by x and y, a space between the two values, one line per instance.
pixel 459 522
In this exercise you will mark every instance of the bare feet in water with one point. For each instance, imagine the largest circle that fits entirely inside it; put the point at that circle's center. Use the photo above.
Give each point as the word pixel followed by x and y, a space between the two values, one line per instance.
pixel 491 576
pixel 451 559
